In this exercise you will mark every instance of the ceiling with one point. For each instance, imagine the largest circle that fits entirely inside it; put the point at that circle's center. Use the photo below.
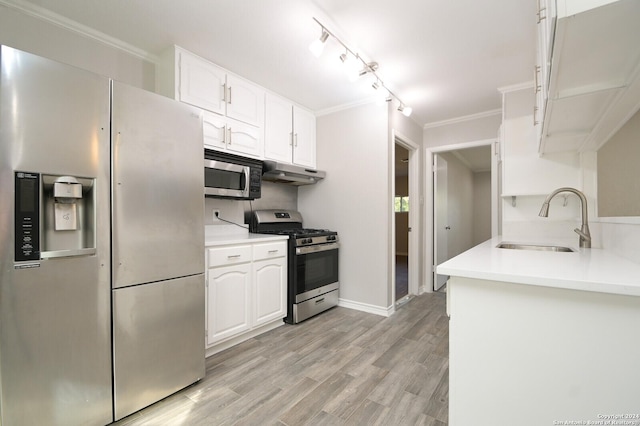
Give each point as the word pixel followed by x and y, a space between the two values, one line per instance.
pixel 445 59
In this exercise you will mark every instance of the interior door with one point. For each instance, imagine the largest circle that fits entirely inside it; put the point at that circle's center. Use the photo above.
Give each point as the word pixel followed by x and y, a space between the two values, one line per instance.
pixel 440 219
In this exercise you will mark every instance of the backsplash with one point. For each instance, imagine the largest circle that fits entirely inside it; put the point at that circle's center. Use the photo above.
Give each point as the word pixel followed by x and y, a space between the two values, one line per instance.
pixel 622 238
pixel 274 196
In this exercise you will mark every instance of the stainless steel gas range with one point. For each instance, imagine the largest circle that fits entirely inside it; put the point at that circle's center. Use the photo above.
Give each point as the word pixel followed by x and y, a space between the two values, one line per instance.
pixel 313 285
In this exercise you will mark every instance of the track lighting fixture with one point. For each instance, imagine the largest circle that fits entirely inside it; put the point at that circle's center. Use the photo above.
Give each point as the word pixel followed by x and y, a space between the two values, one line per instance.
pixel 355 67
pixel 317 46
pixel 370 67
pixel 405 110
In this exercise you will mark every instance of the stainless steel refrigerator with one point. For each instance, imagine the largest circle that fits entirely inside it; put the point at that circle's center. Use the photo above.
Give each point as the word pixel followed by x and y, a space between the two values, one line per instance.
pixel 158 247
pixel 101 264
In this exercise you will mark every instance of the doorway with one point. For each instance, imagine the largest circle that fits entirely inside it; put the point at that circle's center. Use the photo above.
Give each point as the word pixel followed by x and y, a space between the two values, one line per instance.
pixel 401 207
pixel 464 201
pixel 406 207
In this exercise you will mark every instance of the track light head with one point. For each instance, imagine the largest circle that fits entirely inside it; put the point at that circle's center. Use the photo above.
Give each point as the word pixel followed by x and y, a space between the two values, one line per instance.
pixel 405 110
pixel 317 46
pixel 350 64
pixel 370 67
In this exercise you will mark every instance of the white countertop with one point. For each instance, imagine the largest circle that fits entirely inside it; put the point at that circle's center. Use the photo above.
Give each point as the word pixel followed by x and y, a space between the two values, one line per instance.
pixel 220 235
pixel 595 270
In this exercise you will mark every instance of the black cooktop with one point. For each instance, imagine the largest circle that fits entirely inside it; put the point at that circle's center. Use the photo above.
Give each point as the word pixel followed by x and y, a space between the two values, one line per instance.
pixel 299 232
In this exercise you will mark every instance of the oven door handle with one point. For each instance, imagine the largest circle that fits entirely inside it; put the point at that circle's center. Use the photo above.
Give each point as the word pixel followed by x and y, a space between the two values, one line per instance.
pixel 317 248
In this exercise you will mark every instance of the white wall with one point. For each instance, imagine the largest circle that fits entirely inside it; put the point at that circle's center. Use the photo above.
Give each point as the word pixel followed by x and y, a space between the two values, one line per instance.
pixel 34 35
pixel 618 172
pixel 466 129
pixel 481 207
pixel 353 148
pixel 619 234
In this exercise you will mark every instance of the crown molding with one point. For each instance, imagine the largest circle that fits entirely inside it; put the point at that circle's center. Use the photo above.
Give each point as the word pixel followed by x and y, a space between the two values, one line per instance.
pixel 346 106
pixel 516 87
pixel 463 118
pixel 48 16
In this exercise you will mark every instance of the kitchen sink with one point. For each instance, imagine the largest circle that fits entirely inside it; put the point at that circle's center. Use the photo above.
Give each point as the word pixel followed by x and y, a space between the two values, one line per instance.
pixel 537 247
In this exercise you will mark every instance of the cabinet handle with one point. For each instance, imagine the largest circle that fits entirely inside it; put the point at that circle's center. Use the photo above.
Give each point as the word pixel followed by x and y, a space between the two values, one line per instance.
pixel 234 256
pixel 319 300
pixel 229 135
pixel 229 101
pixel 296 140
pixel 535 115
pixel 536 72
pixel 273 251
pixel 224 92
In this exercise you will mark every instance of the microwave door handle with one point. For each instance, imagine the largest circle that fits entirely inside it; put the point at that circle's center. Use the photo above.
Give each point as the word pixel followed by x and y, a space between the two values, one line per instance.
pixel 244 183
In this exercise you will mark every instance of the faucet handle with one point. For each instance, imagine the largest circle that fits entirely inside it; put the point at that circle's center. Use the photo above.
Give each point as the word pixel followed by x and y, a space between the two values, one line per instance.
pixel 586 237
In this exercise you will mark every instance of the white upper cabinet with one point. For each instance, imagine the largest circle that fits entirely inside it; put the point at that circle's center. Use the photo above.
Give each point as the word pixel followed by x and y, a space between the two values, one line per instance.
pixel 240 116
pixel 225 134
pixel 304 138
pixel 201 84
pixel 278 129
pixel 588 80
pixel 244 101
pixel 290 133
pixel 210 87
pixel 214 130
pixel 234 107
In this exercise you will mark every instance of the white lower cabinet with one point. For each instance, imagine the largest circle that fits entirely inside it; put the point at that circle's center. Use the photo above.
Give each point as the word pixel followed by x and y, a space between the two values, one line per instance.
pixel 228 297
pixel 246 292
pixel 270 290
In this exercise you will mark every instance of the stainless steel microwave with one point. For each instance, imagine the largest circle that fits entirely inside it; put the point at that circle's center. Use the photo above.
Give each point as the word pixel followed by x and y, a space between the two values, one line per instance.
pixel 231 176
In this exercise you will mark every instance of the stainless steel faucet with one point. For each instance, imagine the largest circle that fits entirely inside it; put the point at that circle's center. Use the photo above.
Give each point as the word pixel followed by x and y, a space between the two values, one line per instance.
pixel 583 232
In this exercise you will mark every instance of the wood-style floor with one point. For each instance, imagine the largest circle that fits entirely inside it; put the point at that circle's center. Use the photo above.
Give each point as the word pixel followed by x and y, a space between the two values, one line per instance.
pixel 343 367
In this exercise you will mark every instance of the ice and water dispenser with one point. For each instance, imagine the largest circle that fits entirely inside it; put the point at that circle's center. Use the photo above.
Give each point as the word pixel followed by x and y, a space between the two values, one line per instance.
pixel 55 216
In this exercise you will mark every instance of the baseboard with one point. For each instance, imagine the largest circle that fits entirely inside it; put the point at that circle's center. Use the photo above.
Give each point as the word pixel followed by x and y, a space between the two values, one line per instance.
pixel 365 307
pixel 424 289
pixel 232 341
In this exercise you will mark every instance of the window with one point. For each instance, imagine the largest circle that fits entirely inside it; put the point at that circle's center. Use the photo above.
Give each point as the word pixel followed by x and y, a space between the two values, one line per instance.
pixel 401 204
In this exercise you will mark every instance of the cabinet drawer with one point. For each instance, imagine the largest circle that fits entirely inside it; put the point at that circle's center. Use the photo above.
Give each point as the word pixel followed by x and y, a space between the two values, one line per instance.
pixel 222 256
pixel 269 250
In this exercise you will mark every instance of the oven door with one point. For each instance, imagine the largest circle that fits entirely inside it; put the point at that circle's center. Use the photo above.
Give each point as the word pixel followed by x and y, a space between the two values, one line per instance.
pixel 223 179
pixel 316 270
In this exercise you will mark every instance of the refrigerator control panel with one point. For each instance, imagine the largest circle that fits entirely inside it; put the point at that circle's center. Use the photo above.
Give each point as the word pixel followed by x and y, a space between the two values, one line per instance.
pixel 27 216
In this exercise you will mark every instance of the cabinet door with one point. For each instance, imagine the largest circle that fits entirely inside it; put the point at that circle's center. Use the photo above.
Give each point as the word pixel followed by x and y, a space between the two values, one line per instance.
pixel 270 293
pixel 245 101
pixel 201 83
pixel 278 129
pixel 214 131
pixel 228 301
pixel 244 139
pixel 304 138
